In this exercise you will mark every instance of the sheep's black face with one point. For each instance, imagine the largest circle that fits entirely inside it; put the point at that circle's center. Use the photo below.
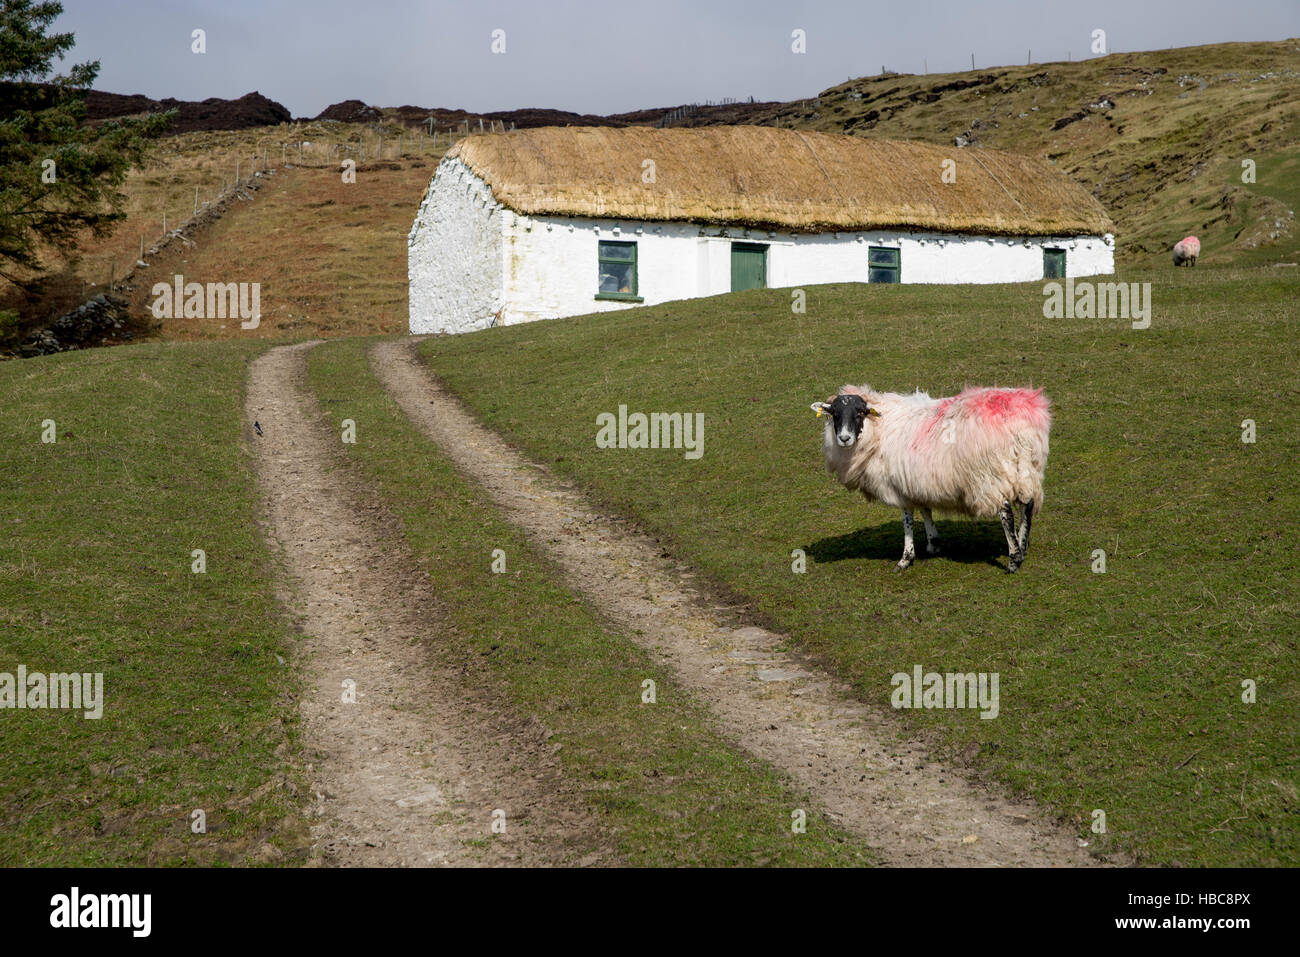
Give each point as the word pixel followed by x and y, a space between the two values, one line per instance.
pixel 847 413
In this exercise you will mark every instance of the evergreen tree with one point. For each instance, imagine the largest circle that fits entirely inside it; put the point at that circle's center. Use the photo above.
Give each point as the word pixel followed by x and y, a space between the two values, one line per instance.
pixel 58 178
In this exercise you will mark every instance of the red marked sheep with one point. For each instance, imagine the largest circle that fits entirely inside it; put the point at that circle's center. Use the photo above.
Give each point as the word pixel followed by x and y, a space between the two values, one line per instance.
pixel 1186 250
pixel 977 453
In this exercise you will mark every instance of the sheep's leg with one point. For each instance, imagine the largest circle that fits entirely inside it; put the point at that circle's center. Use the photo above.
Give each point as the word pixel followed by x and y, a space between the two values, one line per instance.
pixel 931 533
pixel 1009 530
pixel 1022 536
pixel 909 549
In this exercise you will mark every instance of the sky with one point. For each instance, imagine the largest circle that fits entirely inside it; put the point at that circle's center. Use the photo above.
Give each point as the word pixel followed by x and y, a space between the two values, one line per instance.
pixel 606 56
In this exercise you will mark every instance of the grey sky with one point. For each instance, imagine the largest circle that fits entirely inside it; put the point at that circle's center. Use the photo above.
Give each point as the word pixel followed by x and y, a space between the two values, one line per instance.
pixel 605 56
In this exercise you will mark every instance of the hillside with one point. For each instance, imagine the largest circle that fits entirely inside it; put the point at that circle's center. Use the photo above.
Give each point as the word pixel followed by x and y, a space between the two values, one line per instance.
pixel 1159 138
pixel 247 230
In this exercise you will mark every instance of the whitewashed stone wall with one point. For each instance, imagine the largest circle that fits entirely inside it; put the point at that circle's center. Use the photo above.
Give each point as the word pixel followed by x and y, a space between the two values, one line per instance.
pixel 455 264
pixel 547 266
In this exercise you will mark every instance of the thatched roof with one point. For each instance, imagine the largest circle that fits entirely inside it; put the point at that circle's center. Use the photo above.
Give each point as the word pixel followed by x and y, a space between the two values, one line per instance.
pixel 772 178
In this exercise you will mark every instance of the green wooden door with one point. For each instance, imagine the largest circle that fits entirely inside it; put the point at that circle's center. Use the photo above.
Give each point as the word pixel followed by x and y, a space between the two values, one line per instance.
pixel 1053 263
pixel 748 266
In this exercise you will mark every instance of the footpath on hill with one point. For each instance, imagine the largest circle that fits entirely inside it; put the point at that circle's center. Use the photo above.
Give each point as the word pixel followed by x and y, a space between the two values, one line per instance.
pixel 410 755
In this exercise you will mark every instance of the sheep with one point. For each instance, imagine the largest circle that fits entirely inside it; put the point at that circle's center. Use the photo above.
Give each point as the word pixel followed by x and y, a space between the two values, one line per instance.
pixel 977 453
pixel 1186 250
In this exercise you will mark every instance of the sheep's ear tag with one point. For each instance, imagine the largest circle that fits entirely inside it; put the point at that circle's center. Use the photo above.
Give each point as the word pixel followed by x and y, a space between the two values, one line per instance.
pixel 819 408
pixel 875 412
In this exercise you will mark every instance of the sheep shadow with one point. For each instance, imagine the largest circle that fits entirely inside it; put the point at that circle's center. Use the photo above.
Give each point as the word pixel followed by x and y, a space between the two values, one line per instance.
pixel 966 542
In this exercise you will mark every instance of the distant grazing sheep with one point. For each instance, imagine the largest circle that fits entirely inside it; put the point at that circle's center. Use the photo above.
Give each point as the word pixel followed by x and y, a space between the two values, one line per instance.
pixel 977 453
pixel 1186 250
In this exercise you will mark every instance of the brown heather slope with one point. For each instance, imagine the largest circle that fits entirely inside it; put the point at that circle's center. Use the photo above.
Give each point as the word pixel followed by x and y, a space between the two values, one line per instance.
pixel 299 232
pixel 330 256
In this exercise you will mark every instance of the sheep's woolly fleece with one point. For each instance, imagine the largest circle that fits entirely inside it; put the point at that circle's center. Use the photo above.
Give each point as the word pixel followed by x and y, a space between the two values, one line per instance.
pixel 967 453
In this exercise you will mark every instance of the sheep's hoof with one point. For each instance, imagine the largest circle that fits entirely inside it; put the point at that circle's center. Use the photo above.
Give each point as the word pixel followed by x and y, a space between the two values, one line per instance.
pixel 904 564
pixel 1012 564
pixel 932 548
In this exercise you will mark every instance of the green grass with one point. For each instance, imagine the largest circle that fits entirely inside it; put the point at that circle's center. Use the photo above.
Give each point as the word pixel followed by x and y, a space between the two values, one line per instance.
pixel 95 576
pixel 1120 691
pixel 670 789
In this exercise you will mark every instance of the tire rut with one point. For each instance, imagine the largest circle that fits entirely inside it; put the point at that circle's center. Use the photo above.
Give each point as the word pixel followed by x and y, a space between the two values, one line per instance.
pixel 853 759
pixel 413 771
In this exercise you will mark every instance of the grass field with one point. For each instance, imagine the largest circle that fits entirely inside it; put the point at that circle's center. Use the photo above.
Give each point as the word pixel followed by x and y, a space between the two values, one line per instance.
pixel 96 576
pixel 1121 691
pixel 671 791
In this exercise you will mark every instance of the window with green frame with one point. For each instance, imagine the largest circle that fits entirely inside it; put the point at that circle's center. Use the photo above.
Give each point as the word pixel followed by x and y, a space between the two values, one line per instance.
pixel 884 264
pixel 1053 263
pixel 616 274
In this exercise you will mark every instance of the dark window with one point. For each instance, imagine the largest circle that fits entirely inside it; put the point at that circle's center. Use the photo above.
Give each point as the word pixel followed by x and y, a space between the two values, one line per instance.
pixel 884 264
pixel 748 266
pixel 617 271
pixel 1053 263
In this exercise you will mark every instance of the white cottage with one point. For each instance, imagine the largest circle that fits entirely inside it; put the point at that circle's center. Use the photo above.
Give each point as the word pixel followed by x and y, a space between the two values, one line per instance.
pixel 543 223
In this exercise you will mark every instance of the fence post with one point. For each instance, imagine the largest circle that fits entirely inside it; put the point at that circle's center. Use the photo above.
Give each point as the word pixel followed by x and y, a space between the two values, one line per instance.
pixel 196 200
pixel 164 222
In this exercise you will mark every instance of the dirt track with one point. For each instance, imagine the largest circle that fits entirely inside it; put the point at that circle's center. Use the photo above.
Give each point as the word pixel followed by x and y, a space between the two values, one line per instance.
pixel 850 757
pixel 412 772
